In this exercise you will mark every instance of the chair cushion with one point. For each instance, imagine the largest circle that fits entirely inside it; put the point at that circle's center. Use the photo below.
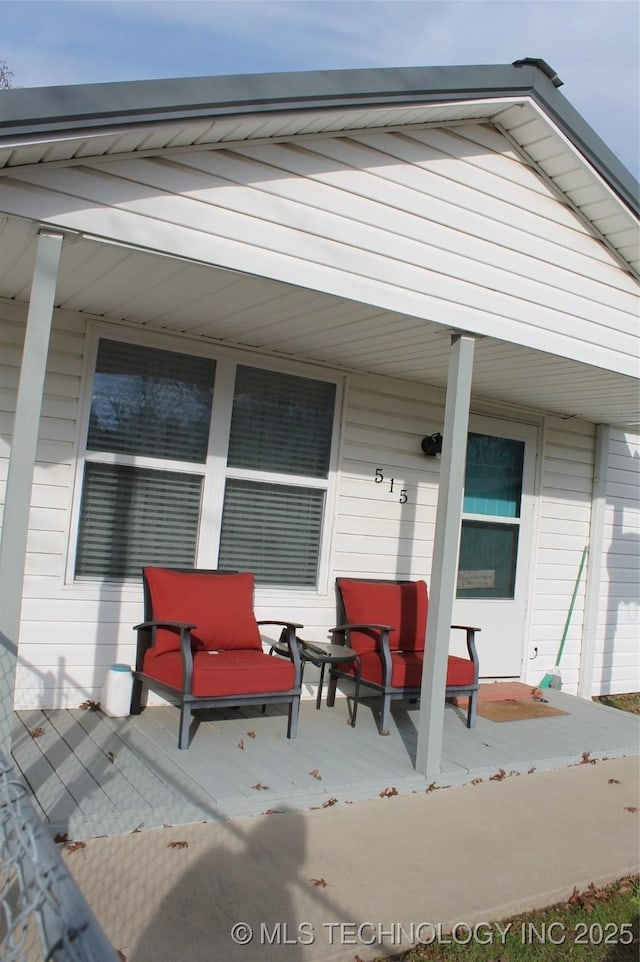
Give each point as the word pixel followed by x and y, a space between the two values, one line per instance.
pixel 406 669
pixel 220 605
pixel 403 605
pixel 235 672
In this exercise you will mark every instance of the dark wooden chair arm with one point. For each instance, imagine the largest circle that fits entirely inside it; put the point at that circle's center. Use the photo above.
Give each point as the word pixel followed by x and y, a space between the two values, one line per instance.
pixel 471 643
pixel 164 624
pixel 349 627
pixel 289 633
pixel 146 640
pixel 383 642
pixel 284 624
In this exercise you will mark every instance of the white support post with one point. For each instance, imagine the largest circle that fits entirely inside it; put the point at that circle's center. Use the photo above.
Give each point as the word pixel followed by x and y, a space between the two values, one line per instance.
pixel 595 564
pixel 444 568
pixel 15 526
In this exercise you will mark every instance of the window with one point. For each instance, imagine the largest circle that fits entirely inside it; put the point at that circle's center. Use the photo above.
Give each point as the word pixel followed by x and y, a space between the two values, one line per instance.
pixel 492 489
pixel 153 408
pixel 146 476
pixel 281 425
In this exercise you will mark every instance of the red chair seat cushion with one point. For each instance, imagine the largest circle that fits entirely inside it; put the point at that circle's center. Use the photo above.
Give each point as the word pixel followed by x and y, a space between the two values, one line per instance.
pixel 216 674
pixel 402 605
pixel 406 669
pixel 220 605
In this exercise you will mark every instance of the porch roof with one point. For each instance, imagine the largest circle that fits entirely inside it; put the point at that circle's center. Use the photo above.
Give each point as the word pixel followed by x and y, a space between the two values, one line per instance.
pixel 69 125
pixel 151 292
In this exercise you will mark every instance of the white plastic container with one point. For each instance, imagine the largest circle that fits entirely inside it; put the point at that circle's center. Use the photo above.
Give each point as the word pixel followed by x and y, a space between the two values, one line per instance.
pixel 116 691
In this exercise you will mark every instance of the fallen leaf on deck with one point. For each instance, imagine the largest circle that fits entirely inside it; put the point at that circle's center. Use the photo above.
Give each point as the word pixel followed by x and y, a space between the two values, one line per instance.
pixel 241 744
pixel 631 808
pixel 260 787
pixel 180 844
pixel 330 802
pixel 138 828
pixel 251 734
pixel 614 781
pixel 499 775
pixel 110 756
pixel 75 846
pixel 91 705
pixel 476 781
pixel 388 792
pixel 587 760
pixel 62 837
pixel 314 772
pixel 37 732
pixel 319 882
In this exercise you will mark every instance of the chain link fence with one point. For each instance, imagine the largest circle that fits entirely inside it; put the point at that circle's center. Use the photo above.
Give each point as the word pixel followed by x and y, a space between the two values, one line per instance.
pixel 43 914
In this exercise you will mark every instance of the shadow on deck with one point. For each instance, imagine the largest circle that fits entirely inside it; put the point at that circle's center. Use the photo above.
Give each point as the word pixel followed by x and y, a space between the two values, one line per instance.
pixel 91 775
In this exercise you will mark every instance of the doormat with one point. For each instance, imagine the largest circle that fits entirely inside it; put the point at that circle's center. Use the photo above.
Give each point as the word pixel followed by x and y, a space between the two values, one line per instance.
pixel 513 709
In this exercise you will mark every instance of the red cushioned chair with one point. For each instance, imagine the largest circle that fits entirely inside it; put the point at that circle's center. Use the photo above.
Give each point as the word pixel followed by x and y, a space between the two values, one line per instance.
pixel 386 623
pixel 200 646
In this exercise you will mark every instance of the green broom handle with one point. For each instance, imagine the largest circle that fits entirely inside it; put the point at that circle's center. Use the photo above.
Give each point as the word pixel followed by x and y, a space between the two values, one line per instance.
pixel 571 606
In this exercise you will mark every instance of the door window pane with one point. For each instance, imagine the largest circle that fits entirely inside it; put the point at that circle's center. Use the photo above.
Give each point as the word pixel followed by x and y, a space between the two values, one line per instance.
pixel 150 402
pixel 281 423
pixel 131 517
pixel 487 567
pixel 273 530
pixel 493 477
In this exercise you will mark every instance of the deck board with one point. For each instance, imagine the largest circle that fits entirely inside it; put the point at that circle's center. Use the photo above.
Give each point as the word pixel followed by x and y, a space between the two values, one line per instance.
pixel 150 782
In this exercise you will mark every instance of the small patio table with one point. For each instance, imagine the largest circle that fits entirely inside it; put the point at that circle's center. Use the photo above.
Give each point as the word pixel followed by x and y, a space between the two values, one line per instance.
pixel 323 655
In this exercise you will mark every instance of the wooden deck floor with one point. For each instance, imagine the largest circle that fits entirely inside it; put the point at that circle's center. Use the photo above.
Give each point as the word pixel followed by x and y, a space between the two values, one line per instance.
pixel 91 775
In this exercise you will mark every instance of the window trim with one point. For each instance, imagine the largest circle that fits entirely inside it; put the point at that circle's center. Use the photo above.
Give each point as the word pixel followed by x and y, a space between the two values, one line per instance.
pixel 214 469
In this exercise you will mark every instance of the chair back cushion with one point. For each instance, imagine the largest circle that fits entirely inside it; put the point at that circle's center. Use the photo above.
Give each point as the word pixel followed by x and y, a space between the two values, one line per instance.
pixel 401 604
pixel 220 605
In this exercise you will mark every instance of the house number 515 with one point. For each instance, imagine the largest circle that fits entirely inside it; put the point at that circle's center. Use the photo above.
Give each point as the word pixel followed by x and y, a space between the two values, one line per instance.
pixel 379 478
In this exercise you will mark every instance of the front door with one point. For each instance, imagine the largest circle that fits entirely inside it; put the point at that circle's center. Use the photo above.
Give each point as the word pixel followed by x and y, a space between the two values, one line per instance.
pixel 495 543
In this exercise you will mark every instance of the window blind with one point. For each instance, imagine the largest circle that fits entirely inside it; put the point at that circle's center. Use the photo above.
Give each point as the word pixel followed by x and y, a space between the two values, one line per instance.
pixel 281 423
pixel 150 402
pixel 272 530
pixel 131 517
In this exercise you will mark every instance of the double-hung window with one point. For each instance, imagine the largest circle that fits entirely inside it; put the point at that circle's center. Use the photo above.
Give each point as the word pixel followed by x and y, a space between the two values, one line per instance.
pixel 145 459
pixel 277 471
pixel 148 495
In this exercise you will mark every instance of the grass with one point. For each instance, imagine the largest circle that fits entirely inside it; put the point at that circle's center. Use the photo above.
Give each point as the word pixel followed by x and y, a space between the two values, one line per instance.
pixel 597 925
pixel 629 702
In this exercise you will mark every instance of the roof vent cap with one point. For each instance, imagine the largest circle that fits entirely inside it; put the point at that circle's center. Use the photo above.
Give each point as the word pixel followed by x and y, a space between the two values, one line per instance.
pixel 541 65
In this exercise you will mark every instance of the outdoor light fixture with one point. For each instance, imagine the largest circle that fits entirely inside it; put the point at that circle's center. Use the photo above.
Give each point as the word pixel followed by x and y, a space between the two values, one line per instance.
pixel 432 445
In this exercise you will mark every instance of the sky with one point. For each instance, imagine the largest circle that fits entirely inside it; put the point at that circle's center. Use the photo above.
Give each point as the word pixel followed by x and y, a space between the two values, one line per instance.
pixel 593 45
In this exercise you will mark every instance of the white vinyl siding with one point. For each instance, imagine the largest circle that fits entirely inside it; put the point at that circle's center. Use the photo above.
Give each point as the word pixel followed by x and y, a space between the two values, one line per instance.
pixel 440 224
pixel 564 517
pixel 617 650
pixel 378 533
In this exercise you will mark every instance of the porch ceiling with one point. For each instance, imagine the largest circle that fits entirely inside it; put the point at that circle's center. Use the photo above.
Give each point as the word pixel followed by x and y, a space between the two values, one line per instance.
pixel 163 294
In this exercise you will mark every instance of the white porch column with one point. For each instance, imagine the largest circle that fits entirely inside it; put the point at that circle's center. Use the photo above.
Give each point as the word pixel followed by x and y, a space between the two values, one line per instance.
pixel 444 569
pixel 596 561
pixel 15 522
